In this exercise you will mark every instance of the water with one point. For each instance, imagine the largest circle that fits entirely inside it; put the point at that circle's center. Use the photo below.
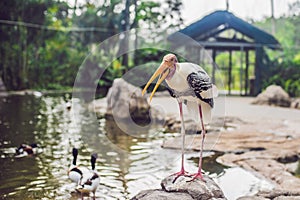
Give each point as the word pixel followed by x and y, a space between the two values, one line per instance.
pixel 127 163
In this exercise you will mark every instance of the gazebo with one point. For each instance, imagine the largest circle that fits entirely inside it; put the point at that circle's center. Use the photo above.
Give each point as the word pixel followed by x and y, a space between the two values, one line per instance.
pixel 209 34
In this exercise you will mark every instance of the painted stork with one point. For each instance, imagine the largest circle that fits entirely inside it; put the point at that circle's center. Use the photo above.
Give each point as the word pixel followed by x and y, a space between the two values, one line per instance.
pixel 191 85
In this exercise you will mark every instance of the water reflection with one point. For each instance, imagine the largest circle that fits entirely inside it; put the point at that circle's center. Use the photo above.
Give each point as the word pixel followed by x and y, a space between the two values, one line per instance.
pixel 126 163
pixel 210 164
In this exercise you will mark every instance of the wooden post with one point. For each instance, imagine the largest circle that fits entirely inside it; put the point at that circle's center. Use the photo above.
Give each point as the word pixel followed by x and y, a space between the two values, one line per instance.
pixel 247 73
pixel 258 68
pixel 229 72
pixel 272 17
pixel 214 66
pixel 126 35
pixel 241 70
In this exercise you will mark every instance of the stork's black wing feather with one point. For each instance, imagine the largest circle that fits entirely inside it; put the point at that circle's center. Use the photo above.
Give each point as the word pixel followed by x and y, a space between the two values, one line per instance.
pixel 199 82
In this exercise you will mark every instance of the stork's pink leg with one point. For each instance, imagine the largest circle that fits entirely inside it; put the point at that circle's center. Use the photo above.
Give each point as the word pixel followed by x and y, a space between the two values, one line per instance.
pixel 182 172
pixel 199 173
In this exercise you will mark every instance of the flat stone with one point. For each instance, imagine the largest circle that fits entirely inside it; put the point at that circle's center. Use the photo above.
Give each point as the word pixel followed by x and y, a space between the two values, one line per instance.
pixel 160 194
pixel 287 198
pixel 280 195
pixel 273 195
pixel 252 198
pixel 197 188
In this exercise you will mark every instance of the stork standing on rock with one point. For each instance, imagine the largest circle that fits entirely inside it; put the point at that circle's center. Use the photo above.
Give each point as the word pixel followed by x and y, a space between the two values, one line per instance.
pixel 191 85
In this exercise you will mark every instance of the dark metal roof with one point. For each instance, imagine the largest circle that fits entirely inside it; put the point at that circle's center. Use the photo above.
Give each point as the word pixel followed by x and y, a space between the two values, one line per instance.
pixel 217 22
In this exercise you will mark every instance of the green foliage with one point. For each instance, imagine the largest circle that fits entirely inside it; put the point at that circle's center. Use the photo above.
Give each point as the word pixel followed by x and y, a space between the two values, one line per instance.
pixel 148 55
pixel 285 68
pixel 296 59
pixel 45 54
pixel 112 72
pixel 222 59
pixel 286 34
pixel 287 75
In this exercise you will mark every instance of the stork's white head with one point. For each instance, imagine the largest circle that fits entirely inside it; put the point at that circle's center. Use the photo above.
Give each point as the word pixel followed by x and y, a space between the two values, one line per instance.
pixel 168 64
pixel 170 59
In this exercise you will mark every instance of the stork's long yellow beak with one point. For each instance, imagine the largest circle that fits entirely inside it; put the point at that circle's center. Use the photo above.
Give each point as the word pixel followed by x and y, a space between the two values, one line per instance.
pixel 162 71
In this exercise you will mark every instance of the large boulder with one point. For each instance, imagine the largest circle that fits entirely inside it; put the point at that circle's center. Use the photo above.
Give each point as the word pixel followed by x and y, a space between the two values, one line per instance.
pixel 125 101
pixel 197 188
pixel 296 103
pixel 159 194
pixel 183 188
pixel 273 95
pixel 125 105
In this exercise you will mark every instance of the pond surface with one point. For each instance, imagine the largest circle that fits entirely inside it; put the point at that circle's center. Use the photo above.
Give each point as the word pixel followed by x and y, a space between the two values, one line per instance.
pixel 126 163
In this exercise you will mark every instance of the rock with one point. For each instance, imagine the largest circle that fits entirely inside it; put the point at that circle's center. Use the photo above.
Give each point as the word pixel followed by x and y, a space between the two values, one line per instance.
pixel 279 193
pixel 287 198
pixel 191 127
pixel 274 195
pixel 198 189
pixel 273 95
pixel 160 194
pixel 99 106
pixel 183 189
pixel 125 101
pixel 296 103
pixel 252 198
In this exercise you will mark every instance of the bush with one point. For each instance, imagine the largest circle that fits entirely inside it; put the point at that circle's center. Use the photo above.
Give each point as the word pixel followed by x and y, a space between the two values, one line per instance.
pixel 286 75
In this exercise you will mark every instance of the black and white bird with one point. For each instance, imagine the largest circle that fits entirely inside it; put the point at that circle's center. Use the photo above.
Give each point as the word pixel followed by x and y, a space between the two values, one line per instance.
pixel 91 180
pixel 75 172
pixel 27 150
pixel 189 84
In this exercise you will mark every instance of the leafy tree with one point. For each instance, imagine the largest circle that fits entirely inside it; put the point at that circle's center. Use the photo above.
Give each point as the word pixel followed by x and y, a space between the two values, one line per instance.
pixel 16 41
pixel 43 42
